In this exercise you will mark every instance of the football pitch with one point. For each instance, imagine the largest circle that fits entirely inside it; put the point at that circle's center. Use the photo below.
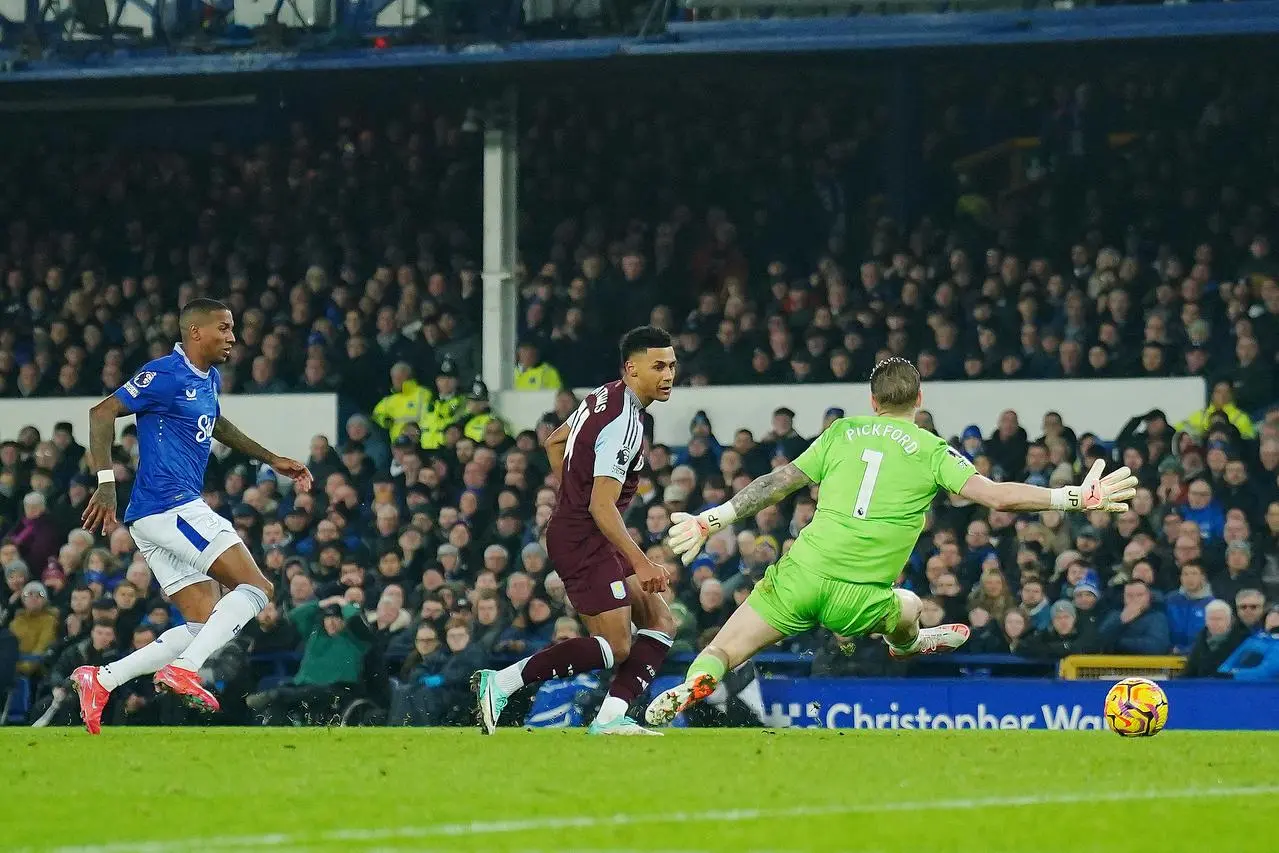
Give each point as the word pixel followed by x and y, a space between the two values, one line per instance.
pixel 222 789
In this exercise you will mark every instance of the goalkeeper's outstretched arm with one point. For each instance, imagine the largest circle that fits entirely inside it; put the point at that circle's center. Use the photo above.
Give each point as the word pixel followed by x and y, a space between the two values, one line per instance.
pixel 1018 497
pixel 1109 493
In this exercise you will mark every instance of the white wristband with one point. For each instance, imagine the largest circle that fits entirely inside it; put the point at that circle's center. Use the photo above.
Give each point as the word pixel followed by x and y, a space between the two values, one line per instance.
pixel 720 517
pixel 1066 499
pixel 106 475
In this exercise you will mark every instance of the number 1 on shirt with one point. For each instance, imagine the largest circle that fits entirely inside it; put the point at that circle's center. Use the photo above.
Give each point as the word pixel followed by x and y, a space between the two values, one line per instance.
pixel 872 458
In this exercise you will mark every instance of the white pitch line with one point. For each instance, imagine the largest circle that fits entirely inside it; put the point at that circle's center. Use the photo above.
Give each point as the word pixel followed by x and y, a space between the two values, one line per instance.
pixel 278 841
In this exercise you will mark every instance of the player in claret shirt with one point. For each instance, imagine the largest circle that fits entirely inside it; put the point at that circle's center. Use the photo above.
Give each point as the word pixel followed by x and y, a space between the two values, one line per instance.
pixel 189 547
pixel 597 455
pixel 878 477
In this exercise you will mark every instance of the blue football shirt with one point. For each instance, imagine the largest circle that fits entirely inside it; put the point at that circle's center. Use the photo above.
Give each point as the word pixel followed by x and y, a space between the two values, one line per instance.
pixel 177 406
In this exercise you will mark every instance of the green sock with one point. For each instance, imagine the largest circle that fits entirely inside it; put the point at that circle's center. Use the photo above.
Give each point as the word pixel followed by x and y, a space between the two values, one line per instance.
pixel 706 664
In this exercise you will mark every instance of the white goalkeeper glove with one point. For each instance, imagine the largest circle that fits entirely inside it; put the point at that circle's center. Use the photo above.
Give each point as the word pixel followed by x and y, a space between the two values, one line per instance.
pixel 689 533
pixel 1109 493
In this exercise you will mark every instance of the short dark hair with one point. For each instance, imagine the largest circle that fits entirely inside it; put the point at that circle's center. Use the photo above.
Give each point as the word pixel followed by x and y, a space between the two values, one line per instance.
pixel 894 383
pixel 198 309
pixel 104 623
pixel 643 338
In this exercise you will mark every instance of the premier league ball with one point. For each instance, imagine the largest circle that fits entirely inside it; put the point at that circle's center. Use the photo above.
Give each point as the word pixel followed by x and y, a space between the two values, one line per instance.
pixel 1136 707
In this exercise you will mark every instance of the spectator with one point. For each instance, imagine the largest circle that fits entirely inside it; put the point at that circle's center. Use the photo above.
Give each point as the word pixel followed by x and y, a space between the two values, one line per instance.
pixel 1216 641
pixel 1257 657
pixel 1204 510
pixel 1138 629
pixel 36 534
pixel 1036 605
pixel 1065 636
pixel 1250 608
pixel 35 626
pixel 427 657
pixel 332 663
pixel 1239 574
pixel 992 595
pixel 1186 608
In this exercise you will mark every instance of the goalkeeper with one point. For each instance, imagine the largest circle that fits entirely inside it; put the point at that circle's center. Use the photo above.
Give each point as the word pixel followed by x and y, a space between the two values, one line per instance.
pixel 878 477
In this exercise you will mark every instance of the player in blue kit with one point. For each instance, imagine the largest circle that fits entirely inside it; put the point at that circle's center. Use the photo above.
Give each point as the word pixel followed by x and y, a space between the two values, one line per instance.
pixel 189 547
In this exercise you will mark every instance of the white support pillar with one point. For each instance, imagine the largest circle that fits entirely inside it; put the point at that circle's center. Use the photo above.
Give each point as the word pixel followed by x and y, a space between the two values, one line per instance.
pixel 501 164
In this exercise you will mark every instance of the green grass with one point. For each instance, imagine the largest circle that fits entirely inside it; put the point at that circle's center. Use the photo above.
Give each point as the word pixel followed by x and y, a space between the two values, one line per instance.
pixel 859 792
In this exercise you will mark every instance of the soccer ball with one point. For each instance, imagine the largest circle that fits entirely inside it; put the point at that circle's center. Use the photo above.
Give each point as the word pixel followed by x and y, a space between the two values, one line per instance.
pixel 1136 707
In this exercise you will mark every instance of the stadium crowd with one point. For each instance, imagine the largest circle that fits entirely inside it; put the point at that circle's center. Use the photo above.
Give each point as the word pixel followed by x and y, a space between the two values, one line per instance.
pixel 348 255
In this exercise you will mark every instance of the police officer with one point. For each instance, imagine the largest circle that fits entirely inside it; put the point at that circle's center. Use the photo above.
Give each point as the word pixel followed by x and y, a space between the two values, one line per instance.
pixel 478 412
pixel 442 411
pixel 404 405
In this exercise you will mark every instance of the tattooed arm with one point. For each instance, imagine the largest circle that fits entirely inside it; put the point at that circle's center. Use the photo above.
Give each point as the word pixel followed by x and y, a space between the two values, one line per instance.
pixel 768 490
pixel 689 532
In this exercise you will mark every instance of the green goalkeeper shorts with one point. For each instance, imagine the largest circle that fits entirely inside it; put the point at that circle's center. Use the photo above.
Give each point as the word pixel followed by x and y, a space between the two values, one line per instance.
pixel 793 599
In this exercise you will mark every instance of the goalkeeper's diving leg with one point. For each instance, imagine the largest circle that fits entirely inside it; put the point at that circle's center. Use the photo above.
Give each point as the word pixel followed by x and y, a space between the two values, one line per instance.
pixel 746 632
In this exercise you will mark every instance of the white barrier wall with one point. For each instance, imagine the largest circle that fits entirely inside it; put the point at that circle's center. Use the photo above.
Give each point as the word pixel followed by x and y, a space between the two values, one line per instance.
pixel 282 423
pixel 1101 406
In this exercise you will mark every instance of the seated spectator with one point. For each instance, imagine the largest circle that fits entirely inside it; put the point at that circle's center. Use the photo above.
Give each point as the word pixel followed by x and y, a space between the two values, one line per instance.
pixel 1035 604
pixel 1240 572
pixel 1217 640
pixel 269 634
pixel 992 595
pixel 1256 658
pixel 1065 636
pixel 443 696
pixel 1008 636
pixel 712 611
pixel 1086 597
pixel 1250 610
pixel 1138 629
pixel 35 626
pixel 427 657
pixel 332 664
pixel 1186 608
pixel 16 576
pixel 36 533
pixel 1204 510
pixel 528 632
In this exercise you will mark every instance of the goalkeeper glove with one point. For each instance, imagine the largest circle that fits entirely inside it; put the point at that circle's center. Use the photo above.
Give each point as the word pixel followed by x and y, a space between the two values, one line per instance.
pixel 1109 493
pixel 689 533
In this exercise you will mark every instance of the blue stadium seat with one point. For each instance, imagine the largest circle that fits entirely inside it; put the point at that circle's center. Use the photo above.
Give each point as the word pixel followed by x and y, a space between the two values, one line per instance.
pixel 17 704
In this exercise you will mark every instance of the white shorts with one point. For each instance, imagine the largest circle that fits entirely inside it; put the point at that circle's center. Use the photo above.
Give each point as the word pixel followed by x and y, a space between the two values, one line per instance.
pixel 180 544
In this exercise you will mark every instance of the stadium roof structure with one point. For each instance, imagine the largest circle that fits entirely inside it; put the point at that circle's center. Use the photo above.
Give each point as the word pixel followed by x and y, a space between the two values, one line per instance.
pixel 794 35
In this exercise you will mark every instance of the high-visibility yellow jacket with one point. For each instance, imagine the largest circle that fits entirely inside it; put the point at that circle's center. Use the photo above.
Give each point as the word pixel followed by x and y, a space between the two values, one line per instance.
pixel 437 415
pixel 395 411
pixel 1197 423
pixel 474 426
pixel 537 378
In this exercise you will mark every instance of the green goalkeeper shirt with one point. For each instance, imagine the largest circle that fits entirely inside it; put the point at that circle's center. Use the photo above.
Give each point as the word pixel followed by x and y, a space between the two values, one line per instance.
pixel 877 477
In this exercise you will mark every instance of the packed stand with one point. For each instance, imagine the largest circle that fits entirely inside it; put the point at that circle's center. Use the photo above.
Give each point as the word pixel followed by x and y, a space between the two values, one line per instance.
pixel 396 580
pixel 418 556
pixel 354 241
